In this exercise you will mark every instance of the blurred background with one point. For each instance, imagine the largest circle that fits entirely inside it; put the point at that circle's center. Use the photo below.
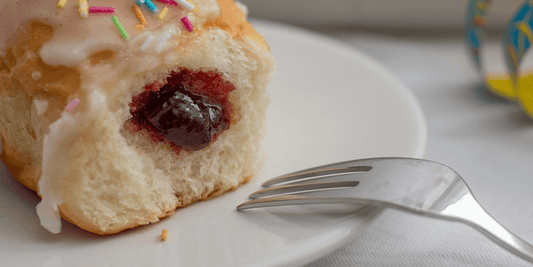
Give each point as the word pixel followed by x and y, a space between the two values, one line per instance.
pixel 363 22
pixel 383 14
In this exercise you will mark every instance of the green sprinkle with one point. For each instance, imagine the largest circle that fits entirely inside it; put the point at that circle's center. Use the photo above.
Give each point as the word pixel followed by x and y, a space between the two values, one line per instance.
pixel 120 28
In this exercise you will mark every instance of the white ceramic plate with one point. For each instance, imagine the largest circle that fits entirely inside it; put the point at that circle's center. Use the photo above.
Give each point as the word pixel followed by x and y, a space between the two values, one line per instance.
pixel 329 103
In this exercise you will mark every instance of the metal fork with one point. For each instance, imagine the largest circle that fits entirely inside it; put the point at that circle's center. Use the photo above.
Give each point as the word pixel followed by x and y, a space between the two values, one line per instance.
pixel 418 186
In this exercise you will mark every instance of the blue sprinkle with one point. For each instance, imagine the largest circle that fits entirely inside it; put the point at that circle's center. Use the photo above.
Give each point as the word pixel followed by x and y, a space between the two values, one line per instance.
pixel 151 6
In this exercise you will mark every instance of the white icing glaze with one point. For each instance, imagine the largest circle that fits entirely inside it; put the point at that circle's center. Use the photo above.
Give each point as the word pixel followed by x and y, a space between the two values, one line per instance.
pixel 53 53
pixel 41 105
pixel 55 166
pixel 64 133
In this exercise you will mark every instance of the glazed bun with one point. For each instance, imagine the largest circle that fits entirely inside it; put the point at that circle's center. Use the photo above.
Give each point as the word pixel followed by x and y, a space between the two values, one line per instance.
pixel 100 126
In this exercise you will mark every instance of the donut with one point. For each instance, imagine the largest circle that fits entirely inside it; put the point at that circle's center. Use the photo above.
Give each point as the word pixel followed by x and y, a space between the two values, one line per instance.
pixel 117 113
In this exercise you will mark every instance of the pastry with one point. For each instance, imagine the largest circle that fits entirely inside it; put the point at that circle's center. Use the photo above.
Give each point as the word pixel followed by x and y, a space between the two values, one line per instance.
pixel 119 112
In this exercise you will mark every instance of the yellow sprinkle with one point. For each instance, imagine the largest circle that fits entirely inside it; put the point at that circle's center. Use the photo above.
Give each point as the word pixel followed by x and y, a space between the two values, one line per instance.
pixel 164 234
pixel 139 27
pixel 61 3
pixel 139 14
pixel 83 8
pixel 195 10
pixel 163 13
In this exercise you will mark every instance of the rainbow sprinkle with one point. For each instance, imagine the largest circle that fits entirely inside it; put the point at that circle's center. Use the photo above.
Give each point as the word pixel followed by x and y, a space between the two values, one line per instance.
pixel 168 2
pixel 185 4
pixel 187 23
pixel 120 28
pixel 72 104
pixel 61 3
pixel 83 8
pixel 139 14
pixel 163 13
pixel 98 9
pixel 147 42
pixel 151 6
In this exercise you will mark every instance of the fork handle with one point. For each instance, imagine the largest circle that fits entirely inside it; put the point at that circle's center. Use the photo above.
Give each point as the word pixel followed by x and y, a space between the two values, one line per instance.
pixel 470 212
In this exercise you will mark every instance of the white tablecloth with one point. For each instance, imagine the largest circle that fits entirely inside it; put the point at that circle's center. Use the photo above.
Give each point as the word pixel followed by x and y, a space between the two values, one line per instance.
pixel 487 139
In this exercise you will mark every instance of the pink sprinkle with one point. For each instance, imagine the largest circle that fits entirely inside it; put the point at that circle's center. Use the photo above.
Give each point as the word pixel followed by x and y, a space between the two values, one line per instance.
pixel 187 23
pixel 72 104
pixel 169 2
pixel 98 9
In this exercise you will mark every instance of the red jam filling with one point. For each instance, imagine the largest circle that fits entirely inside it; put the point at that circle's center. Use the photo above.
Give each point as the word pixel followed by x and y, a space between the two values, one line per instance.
pixel 188 112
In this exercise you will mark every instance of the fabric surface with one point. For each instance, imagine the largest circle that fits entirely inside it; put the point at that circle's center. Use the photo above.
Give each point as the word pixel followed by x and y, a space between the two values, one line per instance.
pixel 486 139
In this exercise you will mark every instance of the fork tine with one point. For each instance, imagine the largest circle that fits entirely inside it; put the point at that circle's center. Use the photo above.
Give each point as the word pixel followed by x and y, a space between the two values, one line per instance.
pixel 301 188
pixel 286 200
pixel 309 174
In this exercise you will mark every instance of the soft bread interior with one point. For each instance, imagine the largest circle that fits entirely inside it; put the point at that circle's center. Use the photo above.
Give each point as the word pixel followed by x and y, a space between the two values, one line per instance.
pixel 125 177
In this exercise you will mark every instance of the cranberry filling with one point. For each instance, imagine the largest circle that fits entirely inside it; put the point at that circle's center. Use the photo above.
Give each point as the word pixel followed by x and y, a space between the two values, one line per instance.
pixel 189 111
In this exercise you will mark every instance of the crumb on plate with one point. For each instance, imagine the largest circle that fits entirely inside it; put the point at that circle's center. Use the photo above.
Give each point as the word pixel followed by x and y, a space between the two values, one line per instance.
pixel 164 234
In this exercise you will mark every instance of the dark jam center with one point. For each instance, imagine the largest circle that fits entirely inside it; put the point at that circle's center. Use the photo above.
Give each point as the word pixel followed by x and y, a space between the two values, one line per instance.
pixel 183 118
pixel 189 111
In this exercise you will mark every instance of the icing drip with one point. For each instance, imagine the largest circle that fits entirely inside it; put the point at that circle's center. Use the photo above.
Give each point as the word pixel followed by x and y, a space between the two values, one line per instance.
pixel 55 167
pixel 64 133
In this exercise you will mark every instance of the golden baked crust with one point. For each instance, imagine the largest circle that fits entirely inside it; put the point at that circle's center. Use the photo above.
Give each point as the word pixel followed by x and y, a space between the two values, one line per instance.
pixel 21 130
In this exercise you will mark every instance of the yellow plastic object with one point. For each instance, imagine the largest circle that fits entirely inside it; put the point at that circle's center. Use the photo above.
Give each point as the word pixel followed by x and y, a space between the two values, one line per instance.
pixel 517 40
pixel 525 94
pixel 503 86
